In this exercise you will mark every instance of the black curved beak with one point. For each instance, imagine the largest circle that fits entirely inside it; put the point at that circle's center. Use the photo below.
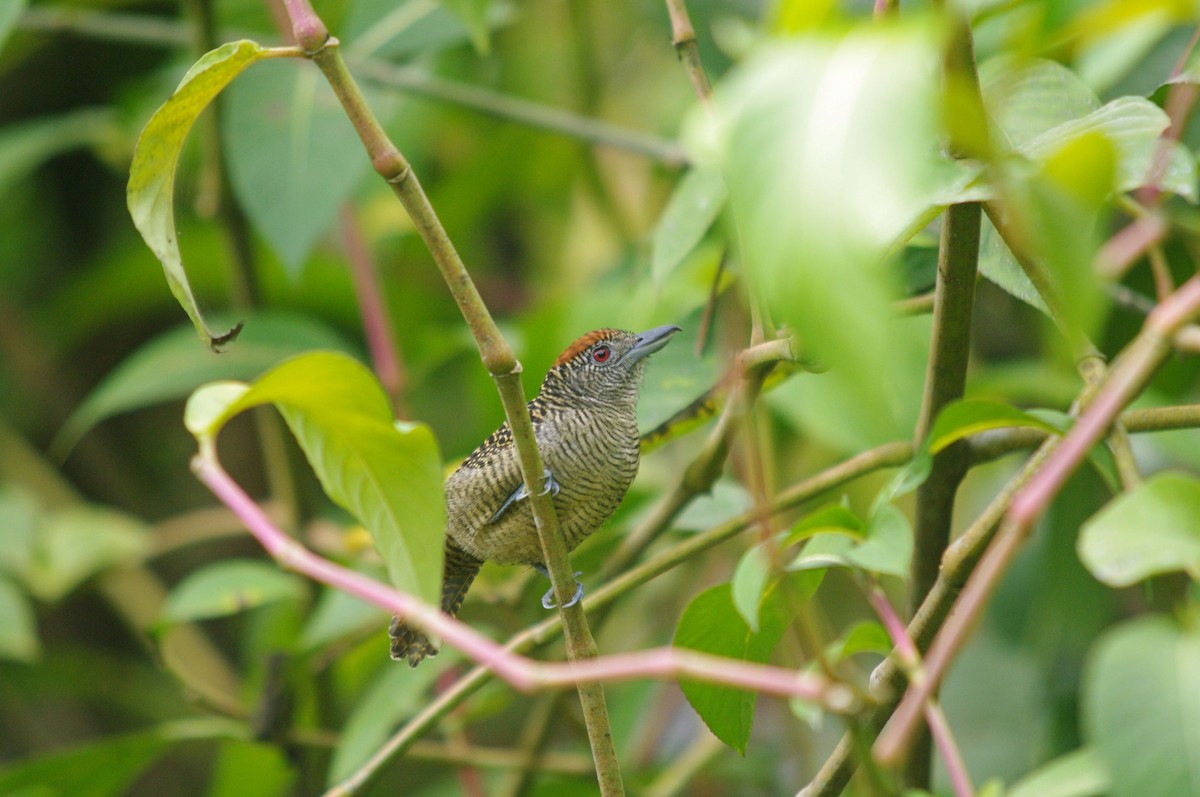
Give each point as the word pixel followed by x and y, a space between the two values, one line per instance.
pixel 651 341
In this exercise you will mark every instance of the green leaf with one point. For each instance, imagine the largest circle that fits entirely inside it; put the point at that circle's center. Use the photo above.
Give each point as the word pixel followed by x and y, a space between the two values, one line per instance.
pixel 18 629
pixel 77 542
pixel 107 768
pixel 10 12
pixel 294 157
pixel 693 207
pixel 888 546
pixel 250 769
pixel 830 518
pixel 396 693
pixel 170 367
pixel 712 624
pixel 1133 125
pixel 1077 774
pixel 828 146
pixel 25 146
pixel 227 588
pixel 335 616
pixel 18 522
pixel 749 580
pixel 907 479
pixel 1152 529
pixel 1025 97
pixel 400 32
pixel 1141 708
pixel 865 636
pixel 473 14
pixel 962 419
pixel 151 190
pixel 389 478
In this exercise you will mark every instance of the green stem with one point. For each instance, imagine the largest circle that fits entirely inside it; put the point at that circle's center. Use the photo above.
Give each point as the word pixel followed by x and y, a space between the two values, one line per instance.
pixel 497 356
pixel 891 455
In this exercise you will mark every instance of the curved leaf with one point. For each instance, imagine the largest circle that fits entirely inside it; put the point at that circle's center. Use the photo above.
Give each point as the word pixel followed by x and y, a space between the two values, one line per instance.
pixel 171 366
pixel 387 475
pixel 712 624
pixel 1141 713
pixel 150 193
pixel 972 416
pixel 693 207
pixel 227 588
pixel 1155 528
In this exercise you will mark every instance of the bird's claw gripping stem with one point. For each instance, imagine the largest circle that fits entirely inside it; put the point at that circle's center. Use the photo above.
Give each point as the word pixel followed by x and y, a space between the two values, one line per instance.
pixel 550 487
pixel 548 598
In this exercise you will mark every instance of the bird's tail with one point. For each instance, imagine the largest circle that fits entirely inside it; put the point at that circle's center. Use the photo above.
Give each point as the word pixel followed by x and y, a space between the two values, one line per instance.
pixel 458 573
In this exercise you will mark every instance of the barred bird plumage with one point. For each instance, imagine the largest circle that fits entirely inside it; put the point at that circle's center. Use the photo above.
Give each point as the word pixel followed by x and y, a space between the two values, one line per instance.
pixel 585 421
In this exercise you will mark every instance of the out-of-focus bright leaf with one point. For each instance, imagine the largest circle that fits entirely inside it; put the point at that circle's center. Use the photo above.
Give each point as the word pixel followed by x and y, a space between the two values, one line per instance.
pixel 229 587
pixel 712 624
pixel 831 518
pixel 10 12
pixel 754 581
pixel 691 210
pixel 1154 528
pixel 402 31
pixel 1141 708
pixel 1133 126
pixel 865 636
pixel 888 546
pixel 18 630
pixel 335 615
pixel 885 548
pixel 387 475
pixel 151 190
pixel 107 768
pixel 396 693
pixel 827 144
pixel 473 14
pixel 293 156
pixel 972 416
pixel 907 479
pixel 250 769
pixel 1025 97
pixel 171 366
pixel 77 542
pixel 18 520
pixel 25 146
pixel 1078 774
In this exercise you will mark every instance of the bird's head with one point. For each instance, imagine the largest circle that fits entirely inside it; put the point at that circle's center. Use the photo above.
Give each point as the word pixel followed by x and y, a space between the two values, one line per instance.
pixel 606 365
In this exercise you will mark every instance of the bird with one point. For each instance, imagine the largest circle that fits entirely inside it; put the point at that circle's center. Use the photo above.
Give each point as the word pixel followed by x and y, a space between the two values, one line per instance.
pixel 585 422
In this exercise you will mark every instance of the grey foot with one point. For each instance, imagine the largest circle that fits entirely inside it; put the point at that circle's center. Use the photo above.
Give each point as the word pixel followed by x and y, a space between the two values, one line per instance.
pixel 550 486
pixel 548 598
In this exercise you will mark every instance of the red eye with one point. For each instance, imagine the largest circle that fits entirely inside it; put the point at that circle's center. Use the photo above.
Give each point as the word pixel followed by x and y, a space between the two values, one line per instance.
pixel 601 354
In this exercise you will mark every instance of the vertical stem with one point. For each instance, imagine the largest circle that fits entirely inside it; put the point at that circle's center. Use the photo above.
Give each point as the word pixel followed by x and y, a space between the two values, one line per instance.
pixel 683 39
pixel 497 356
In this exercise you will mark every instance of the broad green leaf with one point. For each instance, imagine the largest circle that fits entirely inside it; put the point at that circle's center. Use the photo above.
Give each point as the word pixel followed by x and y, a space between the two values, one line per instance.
pixel 473 14
pixel 229 587
pixel 170 367
pixel 972 416
pixel 18 629
pixel 251 769
pixel 151 190
pixel 27 145
pixel 828 147
pixel 1077 774
pixel 907 479
pixel 396 693
pixel 335 615
pixel 865 636
pixel 888 546
pixel 1141 708
pixel 689 213
pixel 831 518
pixel 399 32
pixel 712 624
pixel 1133 126
pixel 388 477
pixel 107 768
pixel 1153 529
pixel 76 542
pixel 1025 97
pixel 294 157
pixel 754 582
pixel 10 12
pixel 18 531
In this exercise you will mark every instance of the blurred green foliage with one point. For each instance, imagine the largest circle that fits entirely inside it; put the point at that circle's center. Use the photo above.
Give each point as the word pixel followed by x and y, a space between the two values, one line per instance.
pixel 141 653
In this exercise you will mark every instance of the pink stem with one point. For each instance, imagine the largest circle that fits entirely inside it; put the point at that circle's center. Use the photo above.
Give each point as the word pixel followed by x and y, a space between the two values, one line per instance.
pixel 522 673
